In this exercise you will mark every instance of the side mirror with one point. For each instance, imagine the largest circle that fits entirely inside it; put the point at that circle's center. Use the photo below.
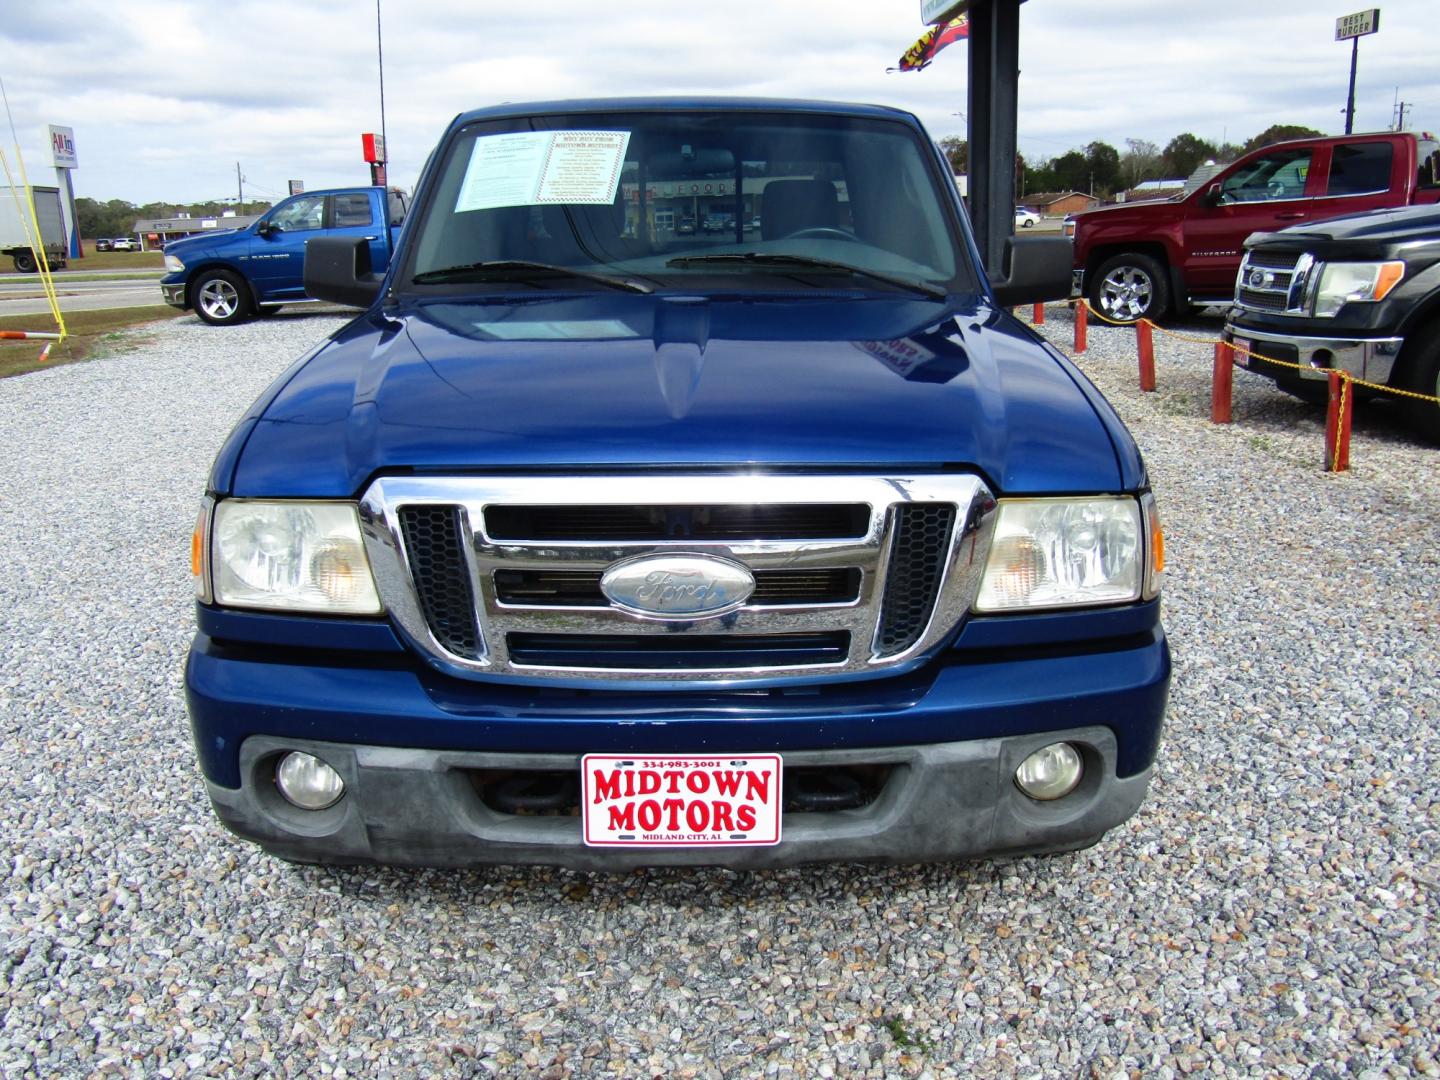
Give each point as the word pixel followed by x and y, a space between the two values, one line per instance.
pixel 337 268
pixel 1212 195
pixel 1037 268
pixel 265 228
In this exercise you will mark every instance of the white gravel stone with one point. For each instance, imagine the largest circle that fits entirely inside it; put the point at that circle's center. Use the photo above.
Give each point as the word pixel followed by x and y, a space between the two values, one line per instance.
pixel 1270 911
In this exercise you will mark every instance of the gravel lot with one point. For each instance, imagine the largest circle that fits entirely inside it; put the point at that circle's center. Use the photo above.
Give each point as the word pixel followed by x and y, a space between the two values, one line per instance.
pixel 1271 910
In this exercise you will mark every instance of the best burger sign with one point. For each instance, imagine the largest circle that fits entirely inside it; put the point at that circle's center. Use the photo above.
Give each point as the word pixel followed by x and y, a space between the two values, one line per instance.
pixel 680 801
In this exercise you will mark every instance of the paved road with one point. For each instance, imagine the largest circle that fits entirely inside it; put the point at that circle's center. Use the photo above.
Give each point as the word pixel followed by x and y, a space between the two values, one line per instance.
pixel 27 297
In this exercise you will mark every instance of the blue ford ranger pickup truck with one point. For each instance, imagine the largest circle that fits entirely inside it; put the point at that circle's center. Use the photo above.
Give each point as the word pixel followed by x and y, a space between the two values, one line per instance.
pixel 229 276
pixel 600 542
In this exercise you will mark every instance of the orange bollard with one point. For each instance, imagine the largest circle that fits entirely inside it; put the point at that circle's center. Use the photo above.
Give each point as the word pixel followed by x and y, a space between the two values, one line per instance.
pixel 1038 316
pixel 1146 346
pixel 1337 423
pixel 1081 310
pixel 1222 384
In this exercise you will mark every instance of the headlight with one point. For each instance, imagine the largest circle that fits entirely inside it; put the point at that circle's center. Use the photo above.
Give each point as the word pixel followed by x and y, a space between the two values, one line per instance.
pixel 291 556
pixel 173 264
pixel 1063 553
pixel 1341 283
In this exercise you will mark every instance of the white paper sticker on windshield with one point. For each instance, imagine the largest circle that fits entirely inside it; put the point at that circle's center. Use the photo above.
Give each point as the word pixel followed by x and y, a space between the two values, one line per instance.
pixel 527 168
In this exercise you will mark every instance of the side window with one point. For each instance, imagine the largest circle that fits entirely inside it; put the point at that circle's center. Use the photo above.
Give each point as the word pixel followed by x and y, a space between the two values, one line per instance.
pixel 302 214
pixel 1429 172
pixel 1278 175
pixel 351 211
pixel 1360 168
pixel 396 202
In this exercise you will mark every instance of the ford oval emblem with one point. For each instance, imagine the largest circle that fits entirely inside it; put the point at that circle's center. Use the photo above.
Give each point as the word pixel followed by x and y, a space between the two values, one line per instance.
pixel 679 586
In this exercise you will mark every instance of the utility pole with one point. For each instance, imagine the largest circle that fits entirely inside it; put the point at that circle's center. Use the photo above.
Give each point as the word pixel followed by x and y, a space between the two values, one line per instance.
pixel 1400 107
pixel 240 188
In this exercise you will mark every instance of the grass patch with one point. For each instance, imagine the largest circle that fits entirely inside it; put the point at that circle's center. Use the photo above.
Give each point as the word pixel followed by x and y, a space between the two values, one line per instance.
pixel 88 331
pixel 904 1038
pixel 118 260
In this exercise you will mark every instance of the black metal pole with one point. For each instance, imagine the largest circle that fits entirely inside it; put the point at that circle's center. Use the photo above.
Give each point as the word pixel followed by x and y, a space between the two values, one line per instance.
pixel 1350 101
pixel 992 113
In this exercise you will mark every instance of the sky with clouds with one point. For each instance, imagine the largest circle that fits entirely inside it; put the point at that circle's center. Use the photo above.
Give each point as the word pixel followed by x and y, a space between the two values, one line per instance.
pixel 165 96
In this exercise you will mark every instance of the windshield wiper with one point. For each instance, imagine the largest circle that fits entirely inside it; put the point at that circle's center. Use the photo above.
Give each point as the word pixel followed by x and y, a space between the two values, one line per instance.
pixel 767 258
pixel 502 268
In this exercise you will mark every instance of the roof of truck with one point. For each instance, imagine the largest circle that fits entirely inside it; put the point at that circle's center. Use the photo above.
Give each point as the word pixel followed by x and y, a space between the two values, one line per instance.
pixel 680 104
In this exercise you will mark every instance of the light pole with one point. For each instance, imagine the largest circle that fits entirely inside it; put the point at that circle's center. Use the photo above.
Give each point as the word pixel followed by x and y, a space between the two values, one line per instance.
pixel 1351 27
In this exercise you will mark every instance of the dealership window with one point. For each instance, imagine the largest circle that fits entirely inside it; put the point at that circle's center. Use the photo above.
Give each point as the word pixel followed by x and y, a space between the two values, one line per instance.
pixel 352 211
pixel 1360 168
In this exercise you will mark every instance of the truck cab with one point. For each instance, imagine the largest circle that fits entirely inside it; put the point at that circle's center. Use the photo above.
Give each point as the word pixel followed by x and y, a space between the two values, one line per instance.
pixel 229 276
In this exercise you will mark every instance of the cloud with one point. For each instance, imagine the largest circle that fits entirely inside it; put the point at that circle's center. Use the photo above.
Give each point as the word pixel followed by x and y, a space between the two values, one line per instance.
pixel 166 97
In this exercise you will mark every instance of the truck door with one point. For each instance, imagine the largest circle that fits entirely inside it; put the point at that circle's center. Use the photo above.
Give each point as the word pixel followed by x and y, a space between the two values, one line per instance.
pixel 1363 175
pixel 277 247
pixel 1258 194
pixel 352 214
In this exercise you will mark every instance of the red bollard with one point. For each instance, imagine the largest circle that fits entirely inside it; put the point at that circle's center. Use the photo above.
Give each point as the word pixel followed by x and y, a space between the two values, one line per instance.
pixel 1337 423
pixel 1038 317
pixel 1146 346
pixel 1222 385
pixel 1082 309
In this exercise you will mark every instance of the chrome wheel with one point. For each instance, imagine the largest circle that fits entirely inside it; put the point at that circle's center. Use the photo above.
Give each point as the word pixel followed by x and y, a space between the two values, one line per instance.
pixel 1126 293
pixel 218 299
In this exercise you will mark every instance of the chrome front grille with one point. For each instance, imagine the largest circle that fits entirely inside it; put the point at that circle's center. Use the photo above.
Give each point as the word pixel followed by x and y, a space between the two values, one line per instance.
pixel 500 577
pixel 1276 281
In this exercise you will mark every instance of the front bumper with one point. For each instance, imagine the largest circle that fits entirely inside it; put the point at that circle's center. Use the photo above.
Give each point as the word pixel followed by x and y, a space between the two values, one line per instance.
pixel 173 293
pixel 1367 359
pixel 422 808
pixel 407 741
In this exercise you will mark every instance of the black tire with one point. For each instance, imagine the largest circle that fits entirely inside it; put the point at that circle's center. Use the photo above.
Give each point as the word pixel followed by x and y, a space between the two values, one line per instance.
pixel 1421 374
pixel 1129 287
pixel 221 298
pixel 25 262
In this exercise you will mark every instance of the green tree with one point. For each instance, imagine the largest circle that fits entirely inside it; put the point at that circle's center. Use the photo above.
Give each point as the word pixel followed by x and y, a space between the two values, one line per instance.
pixel 957 152
pixel 1071 171
pixel 1279 133
pixel 1186 153
pixel 1104 163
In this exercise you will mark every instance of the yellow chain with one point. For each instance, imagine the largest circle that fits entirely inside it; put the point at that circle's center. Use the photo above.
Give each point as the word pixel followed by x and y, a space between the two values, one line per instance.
pixel 1344 375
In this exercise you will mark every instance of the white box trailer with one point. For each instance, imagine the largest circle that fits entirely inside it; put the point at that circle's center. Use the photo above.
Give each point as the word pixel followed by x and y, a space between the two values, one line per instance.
pixel 13 241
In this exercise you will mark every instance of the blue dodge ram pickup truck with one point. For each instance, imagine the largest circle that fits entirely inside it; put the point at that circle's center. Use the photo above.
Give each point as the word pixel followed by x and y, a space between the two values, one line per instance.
pixel 229 276
pixel 601 542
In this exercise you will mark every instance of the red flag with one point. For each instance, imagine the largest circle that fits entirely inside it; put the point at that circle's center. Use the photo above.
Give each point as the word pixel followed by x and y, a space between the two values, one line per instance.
pixel 919 55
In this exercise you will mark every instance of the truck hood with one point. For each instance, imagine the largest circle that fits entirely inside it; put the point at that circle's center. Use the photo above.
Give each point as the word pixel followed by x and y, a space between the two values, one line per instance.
pixel 192 244
pixel 1399 226
pixel 615 382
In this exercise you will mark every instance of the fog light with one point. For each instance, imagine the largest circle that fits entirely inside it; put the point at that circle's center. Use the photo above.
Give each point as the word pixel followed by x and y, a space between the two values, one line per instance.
pixel 1050 772
pixel 308 782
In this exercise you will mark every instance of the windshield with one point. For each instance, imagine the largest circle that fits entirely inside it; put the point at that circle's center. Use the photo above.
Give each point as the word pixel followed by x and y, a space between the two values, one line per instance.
pixel 673 200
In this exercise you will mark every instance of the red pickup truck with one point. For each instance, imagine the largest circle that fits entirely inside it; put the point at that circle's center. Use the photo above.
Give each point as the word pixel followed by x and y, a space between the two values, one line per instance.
pixel 1152 259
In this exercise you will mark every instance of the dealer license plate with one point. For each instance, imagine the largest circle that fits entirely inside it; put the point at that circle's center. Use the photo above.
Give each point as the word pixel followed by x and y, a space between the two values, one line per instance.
pixel 687 801
pixel 1244 344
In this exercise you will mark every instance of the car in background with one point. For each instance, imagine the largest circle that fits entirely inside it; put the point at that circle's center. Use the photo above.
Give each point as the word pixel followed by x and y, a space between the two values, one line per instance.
pixel 104 245
pixel 124 243
pixel 1025 218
